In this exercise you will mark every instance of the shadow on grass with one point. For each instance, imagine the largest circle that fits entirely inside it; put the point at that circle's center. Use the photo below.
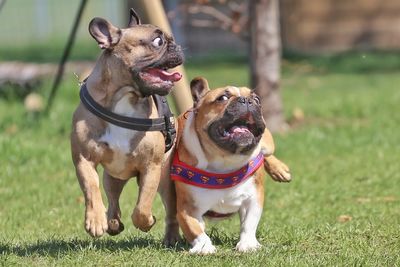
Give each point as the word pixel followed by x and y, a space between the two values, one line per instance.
pixel 220 237
pixel 58 247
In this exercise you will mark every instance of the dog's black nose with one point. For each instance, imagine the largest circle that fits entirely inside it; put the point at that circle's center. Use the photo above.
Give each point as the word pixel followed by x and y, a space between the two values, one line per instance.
pixel 245 100
pixel 174 48
pixel 242 100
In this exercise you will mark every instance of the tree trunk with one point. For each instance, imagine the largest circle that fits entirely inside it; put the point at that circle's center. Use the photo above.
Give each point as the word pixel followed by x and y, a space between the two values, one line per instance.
pixel 265 49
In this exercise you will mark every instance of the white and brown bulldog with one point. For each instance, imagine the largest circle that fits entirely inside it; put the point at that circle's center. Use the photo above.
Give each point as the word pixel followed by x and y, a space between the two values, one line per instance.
pixel 217 167
pixel 118 125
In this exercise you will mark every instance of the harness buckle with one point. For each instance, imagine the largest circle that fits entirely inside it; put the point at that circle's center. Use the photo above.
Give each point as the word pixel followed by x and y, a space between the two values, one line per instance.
pixel 169 132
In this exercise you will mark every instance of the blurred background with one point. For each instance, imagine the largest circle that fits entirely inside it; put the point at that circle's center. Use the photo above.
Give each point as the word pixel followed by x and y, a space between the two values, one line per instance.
pixel 328 72
pixel 265 35
pixel 315 26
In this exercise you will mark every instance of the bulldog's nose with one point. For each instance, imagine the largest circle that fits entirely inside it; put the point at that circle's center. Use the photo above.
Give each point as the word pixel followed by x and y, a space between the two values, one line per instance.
pixel 174 48
pixel 245 101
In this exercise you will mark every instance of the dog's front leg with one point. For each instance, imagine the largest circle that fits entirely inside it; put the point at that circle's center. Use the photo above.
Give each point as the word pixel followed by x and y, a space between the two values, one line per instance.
pixel 278 170
pixel 113 188
pixel 149 180
pixel 193 230
pixel 192 225
pixel 250 214
pixel 95 214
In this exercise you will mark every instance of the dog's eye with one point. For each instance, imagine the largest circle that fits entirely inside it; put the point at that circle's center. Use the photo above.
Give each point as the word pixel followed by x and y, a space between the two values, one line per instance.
pixel 157 42
pixel 222 98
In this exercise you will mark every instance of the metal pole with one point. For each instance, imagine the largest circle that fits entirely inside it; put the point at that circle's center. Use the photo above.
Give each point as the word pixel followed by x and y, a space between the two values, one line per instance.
pixel 65 56
pixel 2 3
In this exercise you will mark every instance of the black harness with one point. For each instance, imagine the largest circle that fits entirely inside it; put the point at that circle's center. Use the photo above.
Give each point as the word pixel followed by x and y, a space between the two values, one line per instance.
pixel 165 123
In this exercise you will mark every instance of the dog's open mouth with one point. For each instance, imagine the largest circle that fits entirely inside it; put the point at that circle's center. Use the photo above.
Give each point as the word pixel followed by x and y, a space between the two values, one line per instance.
pixel 159 80
pixel 239 129
pixel 156 75
pixel 240 135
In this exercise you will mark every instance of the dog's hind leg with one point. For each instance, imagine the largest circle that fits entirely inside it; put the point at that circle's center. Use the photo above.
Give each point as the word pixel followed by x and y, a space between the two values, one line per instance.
pixel 95 214
pixel 168 196
pixel 149 180
pixel 113 188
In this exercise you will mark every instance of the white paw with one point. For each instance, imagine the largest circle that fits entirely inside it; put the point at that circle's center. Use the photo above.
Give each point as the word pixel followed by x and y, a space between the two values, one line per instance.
pixel 202 245
pixel 248 244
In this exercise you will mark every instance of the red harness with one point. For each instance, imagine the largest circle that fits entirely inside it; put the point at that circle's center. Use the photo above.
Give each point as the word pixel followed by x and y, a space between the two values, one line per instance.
pixel 185 173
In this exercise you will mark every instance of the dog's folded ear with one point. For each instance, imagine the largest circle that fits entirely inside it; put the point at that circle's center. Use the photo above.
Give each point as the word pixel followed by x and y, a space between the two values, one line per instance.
pixel 133 18
pixel 106 34
pixel 198 87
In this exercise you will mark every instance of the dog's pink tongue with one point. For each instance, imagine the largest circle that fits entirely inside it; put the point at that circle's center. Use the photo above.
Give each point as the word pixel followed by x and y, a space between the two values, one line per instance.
pixel 164 75
pixel 240 129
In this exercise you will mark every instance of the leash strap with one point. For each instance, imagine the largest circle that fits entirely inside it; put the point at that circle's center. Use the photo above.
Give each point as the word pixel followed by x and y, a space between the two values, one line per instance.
pixel 165 123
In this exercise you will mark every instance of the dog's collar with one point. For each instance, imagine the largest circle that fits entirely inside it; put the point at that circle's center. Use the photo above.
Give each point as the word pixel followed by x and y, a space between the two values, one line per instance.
pixel 185 173
pixel 165 124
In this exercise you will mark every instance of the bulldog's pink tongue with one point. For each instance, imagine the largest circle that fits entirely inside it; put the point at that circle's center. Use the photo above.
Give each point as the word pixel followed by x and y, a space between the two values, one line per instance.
pixel 164 75
pixel 240 129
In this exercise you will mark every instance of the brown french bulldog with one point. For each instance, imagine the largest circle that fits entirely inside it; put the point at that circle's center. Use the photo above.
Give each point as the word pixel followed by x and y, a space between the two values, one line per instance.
pixel 131 69
pixel 217 167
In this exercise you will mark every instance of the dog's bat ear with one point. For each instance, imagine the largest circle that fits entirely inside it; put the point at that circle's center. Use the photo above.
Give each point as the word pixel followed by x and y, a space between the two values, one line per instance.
pixel 106 34
pixel 198 87
pixel 133 18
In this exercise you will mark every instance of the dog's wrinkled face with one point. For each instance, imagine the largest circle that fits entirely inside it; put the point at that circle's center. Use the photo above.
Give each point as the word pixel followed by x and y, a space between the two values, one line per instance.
pixel 229 117
pixel 145 50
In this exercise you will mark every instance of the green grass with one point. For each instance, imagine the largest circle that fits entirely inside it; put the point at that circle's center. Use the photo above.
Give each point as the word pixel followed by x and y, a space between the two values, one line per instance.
pixel 344 157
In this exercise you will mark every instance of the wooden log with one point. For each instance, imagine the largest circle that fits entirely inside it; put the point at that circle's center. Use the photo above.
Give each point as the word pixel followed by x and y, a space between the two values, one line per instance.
pixel 26 74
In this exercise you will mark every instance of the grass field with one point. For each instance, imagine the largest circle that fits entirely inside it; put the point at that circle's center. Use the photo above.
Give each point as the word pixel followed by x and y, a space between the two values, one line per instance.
pixel 341 209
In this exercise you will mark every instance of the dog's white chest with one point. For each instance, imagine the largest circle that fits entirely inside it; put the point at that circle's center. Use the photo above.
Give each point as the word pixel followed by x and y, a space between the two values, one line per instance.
pixel 118 138
pixel 224 200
